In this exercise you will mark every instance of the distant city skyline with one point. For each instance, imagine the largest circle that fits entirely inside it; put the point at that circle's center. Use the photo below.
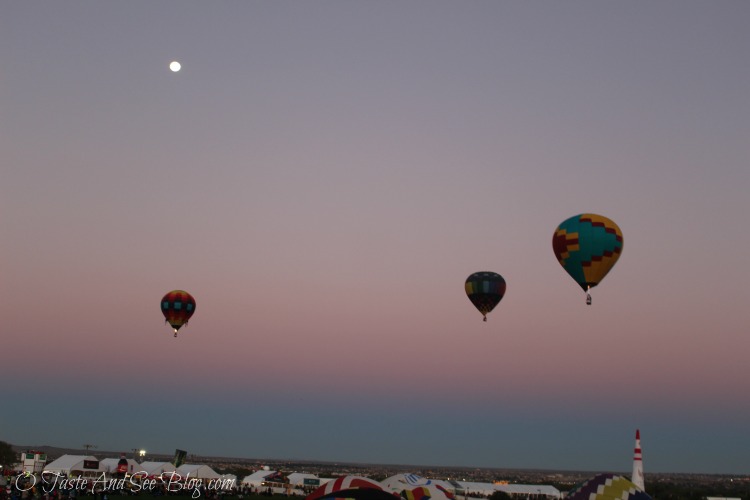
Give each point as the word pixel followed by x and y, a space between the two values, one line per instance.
pixel 288 464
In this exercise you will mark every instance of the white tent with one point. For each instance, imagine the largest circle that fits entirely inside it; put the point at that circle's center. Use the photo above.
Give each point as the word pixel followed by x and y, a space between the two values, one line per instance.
pixel 471 489
pixel 155 468
pixel 197 471
pixel 256 478
pixel 527 490
pixel 74 465
pixel 298 478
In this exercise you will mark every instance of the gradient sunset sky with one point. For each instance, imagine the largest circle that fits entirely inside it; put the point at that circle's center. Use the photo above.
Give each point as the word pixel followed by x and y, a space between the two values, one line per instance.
pixel 323 176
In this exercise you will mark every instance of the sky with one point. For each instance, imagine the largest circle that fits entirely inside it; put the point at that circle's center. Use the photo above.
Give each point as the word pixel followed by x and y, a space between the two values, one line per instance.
pixel 323 176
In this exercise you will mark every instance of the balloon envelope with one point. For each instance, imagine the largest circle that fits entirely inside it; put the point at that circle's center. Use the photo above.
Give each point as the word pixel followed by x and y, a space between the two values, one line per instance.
pixel 485 289
pixel 587 247
pixel 404 481
pixel 360 494
pixel 608 487
pixel 356 487
pixel 177 306
pixel 427 492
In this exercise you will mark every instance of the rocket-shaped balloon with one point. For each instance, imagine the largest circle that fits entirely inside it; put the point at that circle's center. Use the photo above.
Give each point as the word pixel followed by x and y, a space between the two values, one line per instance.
pixel 638 462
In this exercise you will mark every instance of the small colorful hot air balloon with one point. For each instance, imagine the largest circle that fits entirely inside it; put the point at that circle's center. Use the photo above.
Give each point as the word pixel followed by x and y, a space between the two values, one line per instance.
pixel 485 290
pixel 177 306
pixel 587 246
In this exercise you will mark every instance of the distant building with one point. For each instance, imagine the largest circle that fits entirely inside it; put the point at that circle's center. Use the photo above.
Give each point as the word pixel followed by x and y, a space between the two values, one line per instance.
pixel 33 461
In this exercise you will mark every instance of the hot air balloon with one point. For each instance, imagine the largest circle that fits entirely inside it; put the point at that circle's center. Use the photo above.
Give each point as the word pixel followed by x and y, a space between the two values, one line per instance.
pixel 587 246
pixel 351 487
pixel 608 487
pixel 485 290
pixel 428 492
pixel 177 306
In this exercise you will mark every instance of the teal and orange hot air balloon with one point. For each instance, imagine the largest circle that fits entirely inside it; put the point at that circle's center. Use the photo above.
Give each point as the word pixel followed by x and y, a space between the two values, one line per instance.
pixel 177 306
pixel 587 247
pixel 485 290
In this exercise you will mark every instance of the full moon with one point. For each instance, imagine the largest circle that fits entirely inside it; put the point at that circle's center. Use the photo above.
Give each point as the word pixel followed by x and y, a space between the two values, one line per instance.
pixel 175 66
